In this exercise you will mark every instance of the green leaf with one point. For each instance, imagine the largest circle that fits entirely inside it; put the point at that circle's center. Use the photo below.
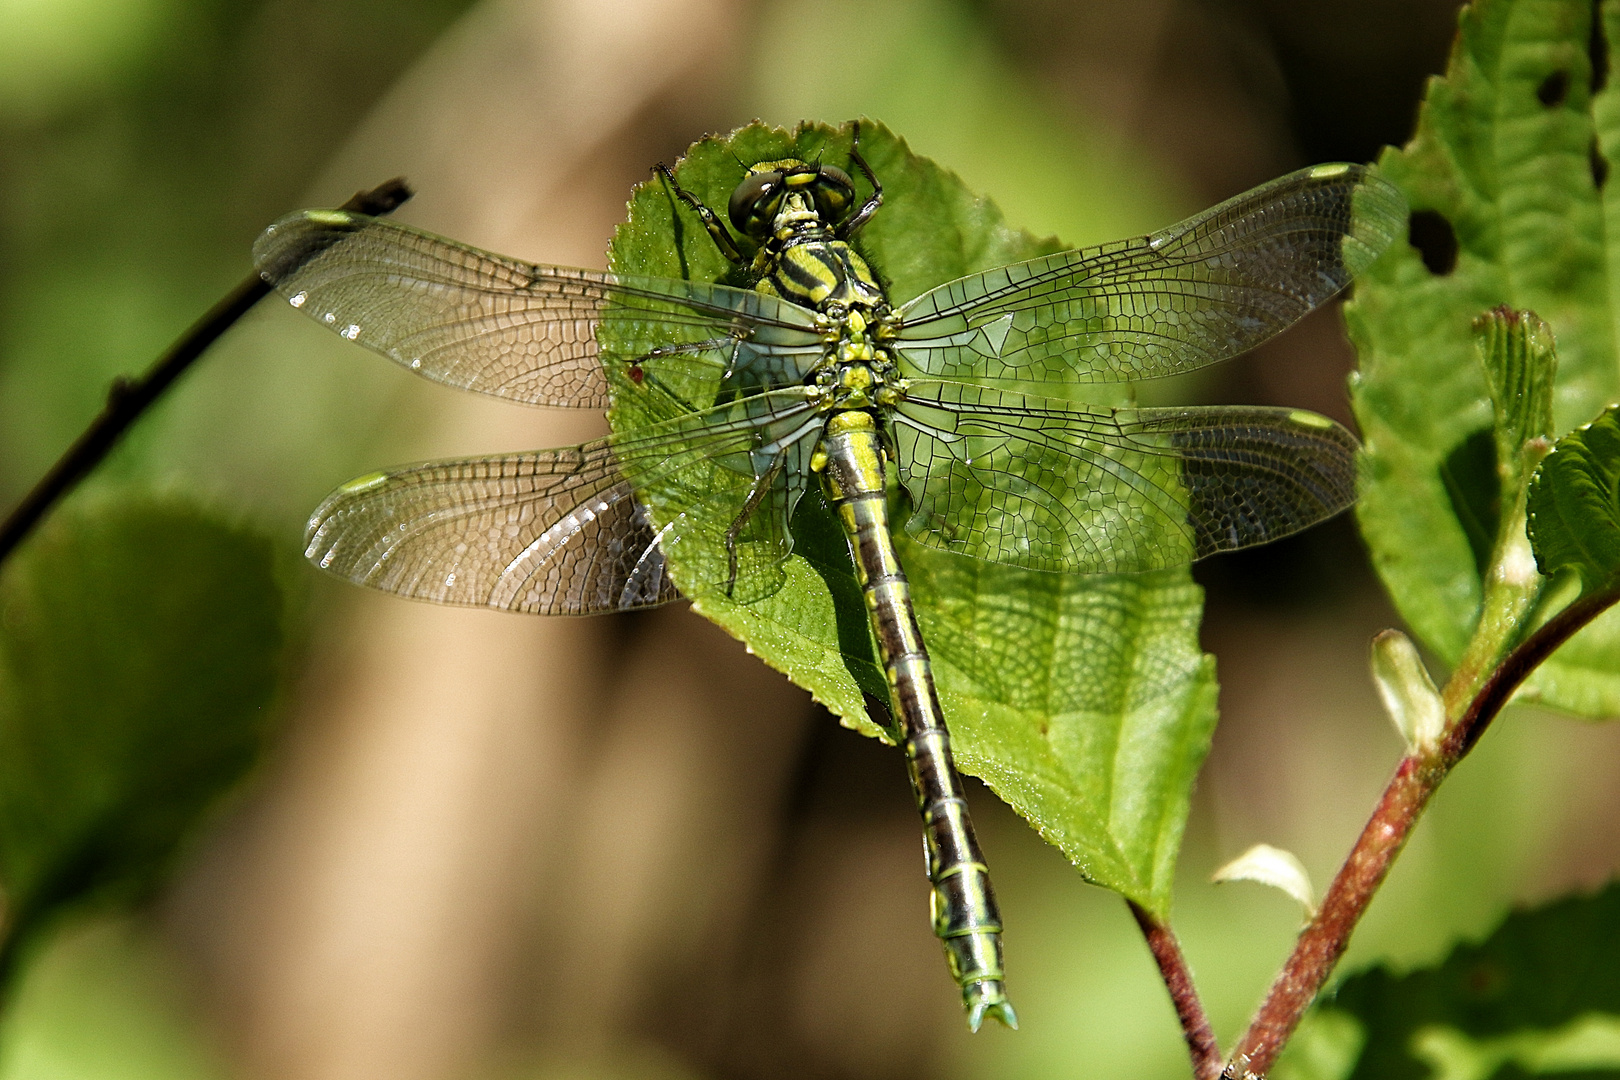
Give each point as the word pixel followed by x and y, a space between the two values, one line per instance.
pixel 138 650
pixel 1506 177
pixel 1083 701
pixel 1540 996
pixel 1574 504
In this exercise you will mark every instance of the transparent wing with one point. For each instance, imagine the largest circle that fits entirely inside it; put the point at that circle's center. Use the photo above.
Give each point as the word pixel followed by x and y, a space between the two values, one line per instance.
pixel 518 330
pixel 1052 486
pixel 1196 293
pixel 557 532
pixel 563 531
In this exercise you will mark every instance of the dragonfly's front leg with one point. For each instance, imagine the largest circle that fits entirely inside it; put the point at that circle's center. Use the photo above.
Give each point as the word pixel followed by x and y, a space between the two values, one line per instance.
pixel 711 221
pixel 849 228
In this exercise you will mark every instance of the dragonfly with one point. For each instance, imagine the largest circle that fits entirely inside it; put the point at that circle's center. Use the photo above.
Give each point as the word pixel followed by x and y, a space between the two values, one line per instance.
pixel 967 400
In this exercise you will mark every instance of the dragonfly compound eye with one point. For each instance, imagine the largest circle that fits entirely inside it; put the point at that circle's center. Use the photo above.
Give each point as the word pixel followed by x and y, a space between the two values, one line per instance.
pixel 754 202
pixel 835 191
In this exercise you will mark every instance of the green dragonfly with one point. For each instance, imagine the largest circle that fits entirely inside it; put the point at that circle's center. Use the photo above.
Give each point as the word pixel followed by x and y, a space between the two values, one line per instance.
pixel 967 398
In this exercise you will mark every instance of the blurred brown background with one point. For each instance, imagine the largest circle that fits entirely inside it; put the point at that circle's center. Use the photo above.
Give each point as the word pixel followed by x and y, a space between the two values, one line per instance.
pixel 496 846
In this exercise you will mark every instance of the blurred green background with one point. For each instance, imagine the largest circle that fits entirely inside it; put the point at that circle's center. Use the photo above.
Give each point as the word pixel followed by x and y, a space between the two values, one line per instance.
pixel 489 846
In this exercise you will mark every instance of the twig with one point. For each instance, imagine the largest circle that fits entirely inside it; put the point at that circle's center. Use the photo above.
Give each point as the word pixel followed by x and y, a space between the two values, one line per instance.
pixel 127 400
pixel 1201 1045
pixel 1325 938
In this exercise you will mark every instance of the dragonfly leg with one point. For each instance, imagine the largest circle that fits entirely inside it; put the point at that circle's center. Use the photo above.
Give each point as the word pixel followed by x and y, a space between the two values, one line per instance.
pixel 707 345
pixel 650 377
pixel 846 229
pixel 730 344
pixel 711 221
pixel 756 495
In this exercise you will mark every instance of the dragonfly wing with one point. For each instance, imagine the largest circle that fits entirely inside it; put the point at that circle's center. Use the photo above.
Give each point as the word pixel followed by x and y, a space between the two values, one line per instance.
pixel 1196 293
pixel 518 330
pixel 557 532
pixel 1049 485
pixel 566 532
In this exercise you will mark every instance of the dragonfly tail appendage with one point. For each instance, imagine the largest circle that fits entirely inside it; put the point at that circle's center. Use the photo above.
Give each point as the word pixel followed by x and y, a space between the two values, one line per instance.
pixel 963 903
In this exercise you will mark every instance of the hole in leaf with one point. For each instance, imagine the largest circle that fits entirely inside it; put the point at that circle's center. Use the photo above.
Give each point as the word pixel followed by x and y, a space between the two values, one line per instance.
pixel 878 710
pixel 1469 476
pixel 1435 240
pixel 1600 165
pixel 1553 89
pixel 1597 48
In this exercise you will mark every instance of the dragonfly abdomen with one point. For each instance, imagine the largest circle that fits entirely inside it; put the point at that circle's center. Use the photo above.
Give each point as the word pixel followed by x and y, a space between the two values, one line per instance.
pixel 963 903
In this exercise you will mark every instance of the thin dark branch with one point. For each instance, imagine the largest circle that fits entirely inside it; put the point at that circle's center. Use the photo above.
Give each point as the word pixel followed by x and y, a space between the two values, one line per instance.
pixel 1161 942
pixel 1324 940
pixel 1517 666
pixel 127 400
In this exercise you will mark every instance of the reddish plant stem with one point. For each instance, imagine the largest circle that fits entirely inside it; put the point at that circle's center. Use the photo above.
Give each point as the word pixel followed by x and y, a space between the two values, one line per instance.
pixel 1325 938
pixel 1161 942
pixel 127 400
pixel 1327 935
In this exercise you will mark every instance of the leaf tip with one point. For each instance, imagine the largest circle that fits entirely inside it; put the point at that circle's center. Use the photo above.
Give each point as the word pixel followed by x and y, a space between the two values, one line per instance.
pixel 1275 867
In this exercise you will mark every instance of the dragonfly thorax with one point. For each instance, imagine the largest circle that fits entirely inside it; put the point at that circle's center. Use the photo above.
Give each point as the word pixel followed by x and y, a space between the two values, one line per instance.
pixel 827 275
pixel 797 214
pixel 855 386
pixel 859 372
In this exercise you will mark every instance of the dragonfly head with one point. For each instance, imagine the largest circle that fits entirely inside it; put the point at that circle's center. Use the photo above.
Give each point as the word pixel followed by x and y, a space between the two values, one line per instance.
pixel 789 194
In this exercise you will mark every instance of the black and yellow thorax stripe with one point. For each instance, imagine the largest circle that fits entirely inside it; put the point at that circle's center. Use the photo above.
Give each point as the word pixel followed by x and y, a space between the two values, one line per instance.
pixel 818 271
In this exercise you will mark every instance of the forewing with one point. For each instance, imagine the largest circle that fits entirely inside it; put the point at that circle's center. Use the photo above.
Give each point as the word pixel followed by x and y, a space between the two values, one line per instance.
pixel 1048 485
pixel 557 532
pixel 1196 293
pixel 518 330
